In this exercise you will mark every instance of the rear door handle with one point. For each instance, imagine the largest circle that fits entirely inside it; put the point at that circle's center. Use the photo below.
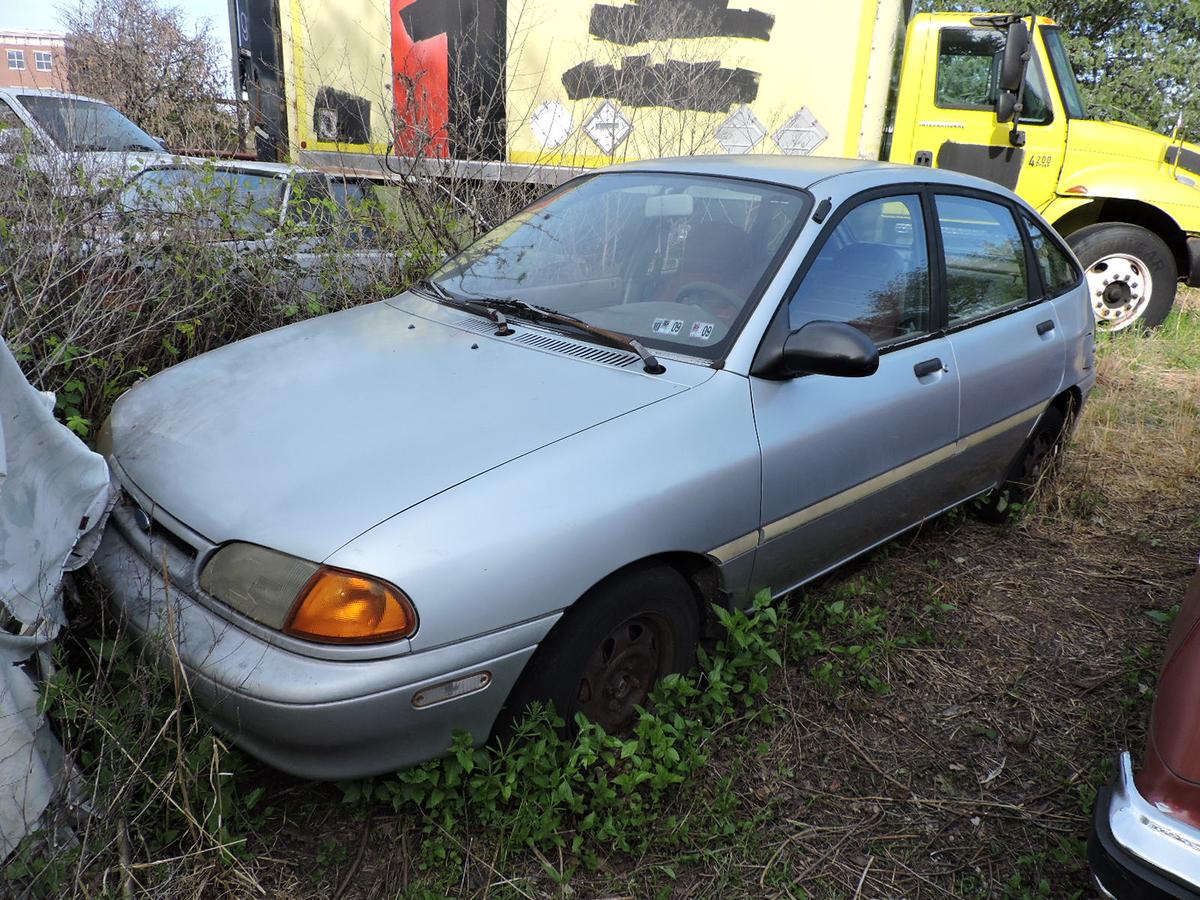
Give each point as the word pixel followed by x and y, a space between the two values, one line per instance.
pixel 928 367
pixel 1043 327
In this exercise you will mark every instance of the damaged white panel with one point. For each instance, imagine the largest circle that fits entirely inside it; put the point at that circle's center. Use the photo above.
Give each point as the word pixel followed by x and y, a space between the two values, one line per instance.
pixel 53 493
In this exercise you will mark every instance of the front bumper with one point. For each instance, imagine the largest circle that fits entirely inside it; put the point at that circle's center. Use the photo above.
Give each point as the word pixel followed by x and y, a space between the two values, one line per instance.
pixel 1136 850
pixel 313 716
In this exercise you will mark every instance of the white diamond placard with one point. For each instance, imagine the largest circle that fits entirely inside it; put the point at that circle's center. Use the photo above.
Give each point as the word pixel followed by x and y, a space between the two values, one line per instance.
pixel 608 127
pixel 741 132
pixel 551 124
pixel 801 134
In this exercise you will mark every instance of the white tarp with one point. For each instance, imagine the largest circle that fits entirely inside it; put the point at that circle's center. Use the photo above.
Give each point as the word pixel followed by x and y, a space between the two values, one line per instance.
pixel 53 501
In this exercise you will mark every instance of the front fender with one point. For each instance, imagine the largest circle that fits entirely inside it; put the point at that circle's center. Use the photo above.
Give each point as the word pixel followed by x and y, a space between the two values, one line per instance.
pixel 530 537
pixel 1135 180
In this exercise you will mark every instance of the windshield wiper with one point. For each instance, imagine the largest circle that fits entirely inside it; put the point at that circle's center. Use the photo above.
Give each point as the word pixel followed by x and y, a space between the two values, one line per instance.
pixel 503 329
pixel 525 310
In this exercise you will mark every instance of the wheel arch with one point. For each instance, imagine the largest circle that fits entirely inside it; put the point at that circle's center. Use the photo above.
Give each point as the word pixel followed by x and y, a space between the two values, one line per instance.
pixel 1117 211
pixel 702 574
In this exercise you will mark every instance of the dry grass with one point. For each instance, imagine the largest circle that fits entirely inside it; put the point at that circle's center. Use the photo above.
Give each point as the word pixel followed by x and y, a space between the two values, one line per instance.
pixel 1011 665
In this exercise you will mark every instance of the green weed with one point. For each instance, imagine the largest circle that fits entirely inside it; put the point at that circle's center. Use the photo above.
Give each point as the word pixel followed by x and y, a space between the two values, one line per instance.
pixel 596 792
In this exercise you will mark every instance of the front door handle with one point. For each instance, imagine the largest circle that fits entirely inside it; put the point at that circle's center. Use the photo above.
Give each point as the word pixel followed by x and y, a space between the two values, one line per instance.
pixel 1043 327
pixel 928 367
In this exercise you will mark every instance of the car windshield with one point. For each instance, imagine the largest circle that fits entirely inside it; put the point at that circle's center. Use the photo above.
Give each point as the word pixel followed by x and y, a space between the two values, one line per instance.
pixel 672 260
pixel 78 126
pixel 1063 73
pixel 241 203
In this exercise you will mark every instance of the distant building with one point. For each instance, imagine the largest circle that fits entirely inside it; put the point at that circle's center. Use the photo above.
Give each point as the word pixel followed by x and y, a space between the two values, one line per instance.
pixel 33 59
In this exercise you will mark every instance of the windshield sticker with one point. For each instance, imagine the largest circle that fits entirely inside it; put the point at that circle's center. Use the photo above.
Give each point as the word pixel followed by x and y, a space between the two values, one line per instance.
pixel 668 326
pixel 702 330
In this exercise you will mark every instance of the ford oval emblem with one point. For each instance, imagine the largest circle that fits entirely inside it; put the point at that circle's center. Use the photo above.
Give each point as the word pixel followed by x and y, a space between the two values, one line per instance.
pixel 142 518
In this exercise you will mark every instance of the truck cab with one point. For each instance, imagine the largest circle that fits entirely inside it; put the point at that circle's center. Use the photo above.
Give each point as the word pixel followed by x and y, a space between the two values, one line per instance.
pixel 995 96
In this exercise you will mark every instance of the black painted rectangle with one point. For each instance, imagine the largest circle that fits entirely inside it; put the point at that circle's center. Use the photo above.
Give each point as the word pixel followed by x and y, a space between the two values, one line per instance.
pixel 657 20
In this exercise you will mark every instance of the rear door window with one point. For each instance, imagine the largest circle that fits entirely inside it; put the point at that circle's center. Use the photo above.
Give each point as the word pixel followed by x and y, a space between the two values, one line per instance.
pixel 871 272
pixel 984 256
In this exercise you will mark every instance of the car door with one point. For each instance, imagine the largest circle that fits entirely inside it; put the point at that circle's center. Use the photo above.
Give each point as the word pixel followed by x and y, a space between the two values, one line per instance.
pixel 1006 338
pixel 849 462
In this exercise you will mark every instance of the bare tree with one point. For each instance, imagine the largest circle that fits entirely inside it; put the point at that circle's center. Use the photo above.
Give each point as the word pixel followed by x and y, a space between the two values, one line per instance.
pixel 140 57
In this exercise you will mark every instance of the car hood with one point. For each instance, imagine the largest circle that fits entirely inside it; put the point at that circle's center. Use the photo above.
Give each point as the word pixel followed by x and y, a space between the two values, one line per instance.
pixel 305 437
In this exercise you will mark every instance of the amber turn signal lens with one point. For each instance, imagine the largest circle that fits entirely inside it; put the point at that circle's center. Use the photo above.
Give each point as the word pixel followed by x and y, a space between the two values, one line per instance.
pixel 345 607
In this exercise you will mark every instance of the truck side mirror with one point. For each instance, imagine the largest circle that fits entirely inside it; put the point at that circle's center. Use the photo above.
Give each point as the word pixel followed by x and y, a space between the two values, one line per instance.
pixel 1012 69
pixel 1006 106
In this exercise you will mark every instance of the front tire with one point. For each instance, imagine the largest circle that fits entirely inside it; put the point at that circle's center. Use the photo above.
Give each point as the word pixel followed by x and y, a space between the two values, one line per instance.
pixel 1131 274
pixel 607 652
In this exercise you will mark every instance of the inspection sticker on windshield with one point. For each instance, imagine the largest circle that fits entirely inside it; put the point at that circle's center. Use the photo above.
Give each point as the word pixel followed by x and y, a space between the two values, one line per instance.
pixel 702 330
pixel 667 326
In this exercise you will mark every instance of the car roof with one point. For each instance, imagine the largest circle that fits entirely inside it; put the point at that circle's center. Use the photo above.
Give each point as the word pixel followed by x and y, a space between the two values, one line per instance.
pixel 43 92
pixel 802 171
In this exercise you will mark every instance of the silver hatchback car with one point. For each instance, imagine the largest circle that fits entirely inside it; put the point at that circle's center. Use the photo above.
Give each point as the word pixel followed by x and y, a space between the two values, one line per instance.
pixel 661 386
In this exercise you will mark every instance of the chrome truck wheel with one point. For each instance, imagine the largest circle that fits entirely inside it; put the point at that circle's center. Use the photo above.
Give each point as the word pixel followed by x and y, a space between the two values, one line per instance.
pixel 1131 274
pixel 1120 287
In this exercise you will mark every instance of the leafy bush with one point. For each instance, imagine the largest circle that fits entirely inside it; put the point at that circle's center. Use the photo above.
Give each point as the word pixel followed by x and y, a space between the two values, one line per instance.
pixel 597 790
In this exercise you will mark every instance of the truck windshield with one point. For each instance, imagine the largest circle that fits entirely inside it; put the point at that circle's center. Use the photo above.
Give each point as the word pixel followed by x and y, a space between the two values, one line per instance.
pixel 1063 73
pixel 675 261
pixel 83 126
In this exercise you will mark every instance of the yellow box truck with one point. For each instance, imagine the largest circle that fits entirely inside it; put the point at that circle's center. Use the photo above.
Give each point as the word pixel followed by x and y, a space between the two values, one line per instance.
pixel 535 90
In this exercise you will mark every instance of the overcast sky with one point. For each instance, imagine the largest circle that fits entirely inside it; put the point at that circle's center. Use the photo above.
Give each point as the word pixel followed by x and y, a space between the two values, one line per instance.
pixel 44 15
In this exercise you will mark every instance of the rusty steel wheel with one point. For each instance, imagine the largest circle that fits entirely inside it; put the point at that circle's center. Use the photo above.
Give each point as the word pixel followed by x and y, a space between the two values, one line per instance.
pixel 604 656
pixel 623 668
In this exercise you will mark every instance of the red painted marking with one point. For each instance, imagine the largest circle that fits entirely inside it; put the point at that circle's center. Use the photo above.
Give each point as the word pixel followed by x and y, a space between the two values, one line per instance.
pixel 421 80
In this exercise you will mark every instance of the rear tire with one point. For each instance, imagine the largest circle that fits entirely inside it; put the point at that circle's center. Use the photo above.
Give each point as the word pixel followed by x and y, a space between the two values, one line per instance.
pixel 1038 456
pixel 609 649
pixel 1131 274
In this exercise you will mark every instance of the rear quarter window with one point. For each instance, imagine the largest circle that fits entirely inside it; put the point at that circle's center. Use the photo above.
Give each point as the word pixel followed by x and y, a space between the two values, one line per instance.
pixel 1059 272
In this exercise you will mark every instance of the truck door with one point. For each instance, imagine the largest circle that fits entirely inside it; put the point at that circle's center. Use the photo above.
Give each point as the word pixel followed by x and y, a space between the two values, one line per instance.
pixel 955 124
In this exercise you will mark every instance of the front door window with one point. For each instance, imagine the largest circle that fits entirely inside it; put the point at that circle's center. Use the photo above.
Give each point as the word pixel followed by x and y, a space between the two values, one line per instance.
pixel 872 272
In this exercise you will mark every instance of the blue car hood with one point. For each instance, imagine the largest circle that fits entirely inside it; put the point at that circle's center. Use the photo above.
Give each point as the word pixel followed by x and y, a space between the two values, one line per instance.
pixel 303 438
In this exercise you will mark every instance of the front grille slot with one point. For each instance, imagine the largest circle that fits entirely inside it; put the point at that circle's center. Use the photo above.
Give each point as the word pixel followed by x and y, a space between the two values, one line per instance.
pixel 159 541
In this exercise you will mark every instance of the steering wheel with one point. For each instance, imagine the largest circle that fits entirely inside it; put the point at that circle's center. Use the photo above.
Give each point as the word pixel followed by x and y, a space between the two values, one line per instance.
pixel 706 292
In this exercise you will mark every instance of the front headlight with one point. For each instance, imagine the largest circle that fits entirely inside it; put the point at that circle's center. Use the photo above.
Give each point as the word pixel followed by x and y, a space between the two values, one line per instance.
pixel 306 600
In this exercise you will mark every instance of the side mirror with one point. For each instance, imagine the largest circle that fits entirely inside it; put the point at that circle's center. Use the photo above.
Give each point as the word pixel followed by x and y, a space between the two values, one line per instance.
pixel 1012 69
pixel 829 348
pixel 1006 106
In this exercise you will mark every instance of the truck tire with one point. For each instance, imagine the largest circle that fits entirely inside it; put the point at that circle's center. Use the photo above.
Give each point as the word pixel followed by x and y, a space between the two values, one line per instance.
pixel 1131 274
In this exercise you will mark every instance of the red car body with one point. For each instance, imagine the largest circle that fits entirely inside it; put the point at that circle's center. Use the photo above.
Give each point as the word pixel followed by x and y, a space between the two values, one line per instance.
pixel 1145 839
